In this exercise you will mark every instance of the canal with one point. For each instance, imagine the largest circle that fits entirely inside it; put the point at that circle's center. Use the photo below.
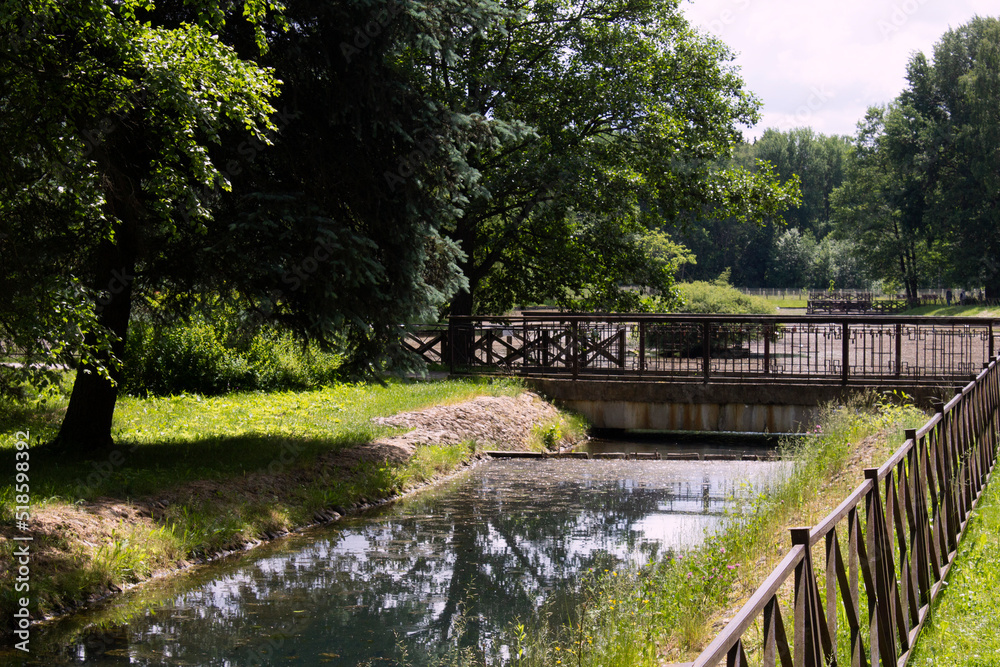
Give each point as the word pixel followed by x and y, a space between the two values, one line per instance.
pixel 453 565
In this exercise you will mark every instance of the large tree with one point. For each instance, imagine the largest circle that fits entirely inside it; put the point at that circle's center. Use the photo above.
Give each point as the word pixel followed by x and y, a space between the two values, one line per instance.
pixel 612 117
pixel 867 209
pixel 107 118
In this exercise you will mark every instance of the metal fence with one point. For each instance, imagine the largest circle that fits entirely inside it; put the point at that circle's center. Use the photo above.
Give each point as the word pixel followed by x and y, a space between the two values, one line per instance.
pixel 863 579
pixel 714 348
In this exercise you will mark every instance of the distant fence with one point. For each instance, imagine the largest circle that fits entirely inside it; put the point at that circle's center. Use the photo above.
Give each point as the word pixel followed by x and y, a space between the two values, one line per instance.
pixel 864 578
pixel 841 349
pixel 931 295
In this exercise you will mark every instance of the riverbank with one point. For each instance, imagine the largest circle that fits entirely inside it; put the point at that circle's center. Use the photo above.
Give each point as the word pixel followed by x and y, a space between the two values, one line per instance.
pixel 668 611
pixel 194 478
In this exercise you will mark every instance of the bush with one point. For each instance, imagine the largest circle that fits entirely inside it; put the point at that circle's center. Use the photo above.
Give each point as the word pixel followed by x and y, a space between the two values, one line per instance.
pixel 203 357
pixel 718 296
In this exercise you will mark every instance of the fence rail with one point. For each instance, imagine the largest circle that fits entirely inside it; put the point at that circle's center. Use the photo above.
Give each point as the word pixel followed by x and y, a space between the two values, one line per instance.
pixel 864 578
pixel 840 349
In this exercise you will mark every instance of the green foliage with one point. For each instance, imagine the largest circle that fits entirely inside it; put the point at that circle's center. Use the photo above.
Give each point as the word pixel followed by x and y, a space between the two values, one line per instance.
pixel 206 356
pixel 718 296
pixel 593 143
pixel 924 166
pixel 811 166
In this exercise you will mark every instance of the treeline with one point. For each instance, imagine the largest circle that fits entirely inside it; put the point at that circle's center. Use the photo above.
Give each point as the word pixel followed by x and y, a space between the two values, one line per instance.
pixel 911 201
pixel 798 248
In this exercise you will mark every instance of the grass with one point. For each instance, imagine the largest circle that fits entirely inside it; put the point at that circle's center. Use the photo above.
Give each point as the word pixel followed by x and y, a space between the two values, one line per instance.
pixel 955 311
pixel 782 302
pixel 170 440
pixel 665 610
pixel 253 456
pixel 963 625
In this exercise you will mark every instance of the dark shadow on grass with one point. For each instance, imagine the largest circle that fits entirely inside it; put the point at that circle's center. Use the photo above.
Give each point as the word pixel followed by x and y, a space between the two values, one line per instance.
pixel 131 470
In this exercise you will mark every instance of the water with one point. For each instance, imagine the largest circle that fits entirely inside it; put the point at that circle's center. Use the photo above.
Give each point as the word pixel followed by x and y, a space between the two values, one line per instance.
pixel 465 559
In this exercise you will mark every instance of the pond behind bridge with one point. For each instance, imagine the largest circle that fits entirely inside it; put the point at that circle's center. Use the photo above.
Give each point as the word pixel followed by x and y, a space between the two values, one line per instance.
pixel 502 543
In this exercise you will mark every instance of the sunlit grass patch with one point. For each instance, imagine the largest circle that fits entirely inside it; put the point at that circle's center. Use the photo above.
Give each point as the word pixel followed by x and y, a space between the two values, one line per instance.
pixel 954 311
pixel 963 627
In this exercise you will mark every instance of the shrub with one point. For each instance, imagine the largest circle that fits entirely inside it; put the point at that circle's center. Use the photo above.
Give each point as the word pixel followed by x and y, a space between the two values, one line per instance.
pixel 205 357
pixel 718 296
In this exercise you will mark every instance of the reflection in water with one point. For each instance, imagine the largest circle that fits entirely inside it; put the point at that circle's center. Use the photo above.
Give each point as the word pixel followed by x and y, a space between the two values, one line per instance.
pixel 466 558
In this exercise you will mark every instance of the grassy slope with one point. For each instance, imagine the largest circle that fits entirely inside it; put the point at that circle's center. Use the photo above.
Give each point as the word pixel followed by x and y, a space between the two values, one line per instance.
pixel 964 624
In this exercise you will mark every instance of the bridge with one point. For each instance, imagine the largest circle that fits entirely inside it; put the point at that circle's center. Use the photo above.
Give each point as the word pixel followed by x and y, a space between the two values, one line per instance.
pixel 714 372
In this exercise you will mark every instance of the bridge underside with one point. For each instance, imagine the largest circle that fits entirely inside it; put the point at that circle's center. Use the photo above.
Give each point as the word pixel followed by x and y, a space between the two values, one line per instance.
pixel 674 406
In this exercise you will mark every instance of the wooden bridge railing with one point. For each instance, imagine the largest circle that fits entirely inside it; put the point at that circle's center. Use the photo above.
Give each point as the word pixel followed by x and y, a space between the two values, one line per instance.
pixel 715 348
pixel 864 578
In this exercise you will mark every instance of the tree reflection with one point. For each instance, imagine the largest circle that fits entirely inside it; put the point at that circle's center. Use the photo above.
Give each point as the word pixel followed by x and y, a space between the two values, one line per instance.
pixel 475 556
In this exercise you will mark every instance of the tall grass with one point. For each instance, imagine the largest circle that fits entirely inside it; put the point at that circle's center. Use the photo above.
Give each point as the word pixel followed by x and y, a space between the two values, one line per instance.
pixel 962 630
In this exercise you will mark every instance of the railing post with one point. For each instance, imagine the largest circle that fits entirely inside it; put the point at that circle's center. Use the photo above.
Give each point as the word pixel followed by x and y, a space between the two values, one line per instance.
pixel 706 337
pixel 899 350
pixel 451 346
pixel 808 625
pixel 883 570
pixel 576 348
pixel 767 349
pixel 642 346
pixel 846 370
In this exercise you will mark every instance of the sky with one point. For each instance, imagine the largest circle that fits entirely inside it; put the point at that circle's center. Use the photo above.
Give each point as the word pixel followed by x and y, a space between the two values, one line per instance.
pixel 822 63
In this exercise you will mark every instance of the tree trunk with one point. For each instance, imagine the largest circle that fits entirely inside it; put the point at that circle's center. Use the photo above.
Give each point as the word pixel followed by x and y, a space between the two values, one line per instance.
pixel 992 294
pixel 87 425
pixel 86 429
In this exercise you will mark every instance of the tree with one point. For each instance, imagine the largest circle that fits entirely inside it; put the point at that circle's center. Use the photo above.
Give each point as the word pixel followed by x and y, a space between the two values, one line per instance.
pixel 815 163
pixel 887 241
pixel 609 118
pixel 108 118
pixel 936 147
pixel 794 254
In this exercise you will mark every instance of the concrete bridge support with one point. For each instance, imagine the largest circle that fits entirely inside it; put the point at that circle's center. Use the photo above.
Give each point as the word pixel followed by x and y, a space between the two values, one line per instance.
pixel 674 406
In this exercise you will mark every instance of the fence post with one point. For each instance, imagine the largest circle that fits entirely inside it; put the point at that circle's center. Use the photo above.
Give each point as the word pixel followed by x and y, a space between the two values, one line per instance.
pixel 899 350
pixel 883 570
pixel 846 370
pixel 706 337
pixel 451 346
pixel 642 346
pixel 767 349
pixel 576 349
pixel 809 627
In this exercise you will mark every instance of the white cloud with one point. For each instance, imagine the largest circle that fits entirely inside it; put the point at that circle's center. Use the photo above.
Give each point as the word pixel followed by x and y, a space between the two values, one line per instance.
pixel 822 64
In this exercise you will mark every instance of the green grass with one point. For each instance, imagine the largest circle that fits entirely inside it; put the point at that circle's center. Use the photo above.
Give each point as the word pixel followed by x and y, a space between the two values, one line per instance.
pixel 955 311
pixel 170 440
pixel 964 624
pixel 782 302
